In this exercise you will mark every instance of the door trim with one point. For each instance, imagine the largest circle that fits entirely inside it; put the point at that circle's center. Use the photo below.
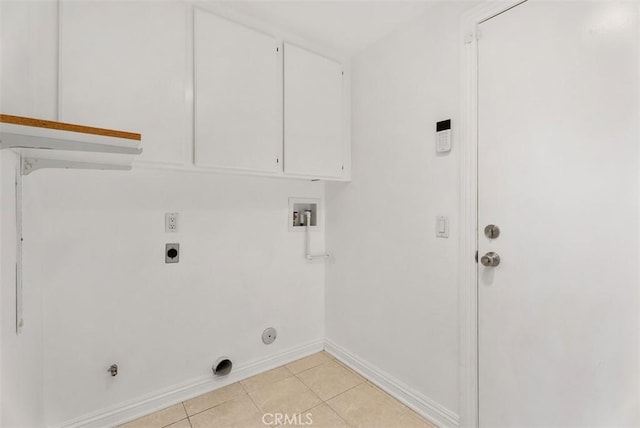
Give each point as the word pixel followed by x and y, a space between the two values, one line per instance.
pixel 468 268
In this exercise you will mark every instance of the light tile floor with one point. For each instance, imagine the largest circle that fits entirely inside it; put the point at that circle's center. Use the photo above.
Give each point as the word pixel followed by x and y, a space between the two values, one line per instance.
pixel 316 391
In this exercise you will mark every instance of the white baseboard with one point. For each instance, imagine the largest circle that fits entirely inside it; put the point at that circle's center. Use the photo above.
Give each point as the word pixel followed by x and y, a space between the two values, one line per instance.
pixel 133 409
pixel 431 410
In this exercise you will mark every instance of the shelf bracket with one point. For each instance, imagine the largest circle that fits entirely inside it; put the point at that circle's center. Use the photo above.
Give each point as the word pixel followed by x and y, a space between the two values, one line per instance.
pixel 30 138
pixel 18 212
pixel 28 165
pixel 18 141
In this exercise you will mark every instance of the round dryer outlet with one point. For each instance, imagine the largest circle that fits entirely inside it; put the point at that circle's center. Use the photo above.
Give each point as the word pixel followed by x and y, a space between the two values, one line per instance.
pixel 269 335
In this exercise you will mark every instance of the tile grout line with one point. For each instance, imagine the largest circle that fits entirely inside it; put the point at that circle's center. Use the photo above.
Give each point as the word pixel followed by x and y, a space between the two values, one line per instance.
pixel 251 398
pixel 336 410
pixel 326 402
pixel 308 368
pixel 294 375
pixel 416 414
pixel 209 408
pixel 170 423
pixel 308 387
pixel 246 392
pixel 364 380
pixel 346 390
pixel 214 406
pixel 389 396
pixel 186 413
pixel 333 410
pixel 254 402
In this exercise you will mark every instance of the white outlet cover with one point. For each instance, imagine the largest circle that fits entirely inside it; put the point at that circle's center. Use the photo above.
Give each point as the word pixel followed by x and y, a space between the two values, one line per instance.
pixel 442 226
pixel 171 222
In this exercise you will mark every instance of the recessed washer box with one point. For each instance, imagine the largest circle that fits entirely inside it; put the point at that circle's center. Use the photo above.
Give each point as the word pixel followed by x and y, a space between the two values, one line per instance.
pixel 297 218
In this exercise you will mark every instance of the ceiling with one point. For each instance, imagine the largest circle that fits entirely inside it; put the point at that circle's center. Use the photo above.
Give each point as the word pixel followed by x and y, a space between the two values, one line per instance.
pixel 345 26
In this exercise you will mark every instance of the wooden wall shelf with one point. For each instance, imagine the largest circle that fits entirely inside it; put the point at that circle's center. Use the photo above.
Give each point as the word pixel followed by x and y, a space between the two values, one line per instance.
pixel 48 144
pixel 61 126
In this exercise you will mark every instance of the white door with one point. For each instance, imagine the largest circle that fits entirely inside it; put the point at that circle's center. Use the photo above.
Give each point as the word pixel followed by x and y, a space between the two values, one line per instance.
pixel 313 114
pixel 238 96
pixel 558 174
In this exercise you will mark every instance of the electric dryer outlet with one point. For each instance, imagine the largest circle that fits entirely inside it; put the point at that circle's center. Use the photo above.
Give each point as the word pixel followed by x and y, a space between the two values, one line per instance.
pixel 172 253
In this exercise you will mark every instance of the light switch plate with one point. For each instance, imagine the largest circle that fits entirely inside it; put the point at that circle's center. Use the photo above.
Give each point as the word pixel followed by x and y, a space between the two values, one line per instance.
pixel 442 226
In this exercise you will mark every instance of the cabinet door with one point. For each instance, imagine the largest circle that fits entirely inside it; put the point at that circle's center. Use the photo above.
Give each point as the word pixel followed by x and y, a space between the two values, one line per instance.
pixel 122 66
pixel 238 96
pixel 313 114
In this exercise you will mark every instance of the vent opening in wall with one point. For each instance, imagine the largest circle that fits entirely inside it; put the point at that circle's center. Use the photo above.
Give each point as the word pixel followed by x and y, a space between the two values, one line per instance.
pixel 222 366
pixel 269 336
pixel 298 209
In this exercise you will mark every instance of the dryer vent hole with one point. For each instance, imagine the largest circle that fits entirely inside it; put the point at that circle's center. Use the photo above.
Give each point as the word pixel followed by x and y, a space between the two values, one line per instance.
pixel 222 367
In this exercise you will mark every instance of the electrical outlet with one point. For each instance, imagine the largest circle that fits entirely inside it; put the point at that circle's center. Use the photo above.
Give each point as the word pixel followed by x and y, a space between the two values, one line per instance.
pixel 171 222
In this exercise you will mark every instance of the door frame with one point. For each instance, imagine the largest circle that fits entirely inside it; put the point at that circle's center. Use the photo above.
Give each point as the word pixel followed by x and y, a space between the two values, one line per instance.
pixel 468 267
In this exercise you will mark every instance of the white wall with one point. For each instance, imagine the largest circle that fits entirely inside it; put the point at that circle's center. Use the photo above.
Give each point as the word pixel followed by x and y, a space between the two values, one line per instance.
pixel 392 292
pixel 28 88
pixel 95 241
pixel 97 290
pixel 29 42
pixel 21 366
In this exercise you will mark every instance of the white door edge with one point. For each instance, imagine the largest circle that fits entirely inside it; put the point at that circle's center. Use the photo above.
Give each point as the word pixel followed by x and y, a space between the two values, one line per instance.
pixel 468 268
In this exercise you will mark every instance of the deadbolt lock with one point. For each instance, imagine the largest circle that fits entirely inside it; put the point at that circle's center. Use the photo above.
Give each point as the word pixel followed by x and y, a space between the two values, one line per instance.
pixel 492 231
pixel 490 259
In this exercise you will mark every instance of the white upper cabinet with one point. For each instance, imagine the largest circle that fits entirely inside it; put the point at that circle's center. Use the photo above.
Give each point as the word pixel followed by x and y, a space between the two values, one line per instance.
pixel 238 96
pixel 313 115
pixel 131 65
pixel 123 66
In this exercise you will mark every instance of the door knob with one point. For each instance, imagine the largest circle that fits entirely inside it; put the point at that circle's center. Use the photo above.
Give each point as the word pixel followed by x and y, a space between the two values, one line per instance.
pixel 490 259
pixel 492 231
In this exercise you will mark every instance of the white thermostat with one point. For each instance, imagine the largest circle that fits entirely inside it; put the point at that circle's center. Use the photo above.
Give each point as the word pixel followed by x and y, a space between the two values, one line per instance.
pixel 443 136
